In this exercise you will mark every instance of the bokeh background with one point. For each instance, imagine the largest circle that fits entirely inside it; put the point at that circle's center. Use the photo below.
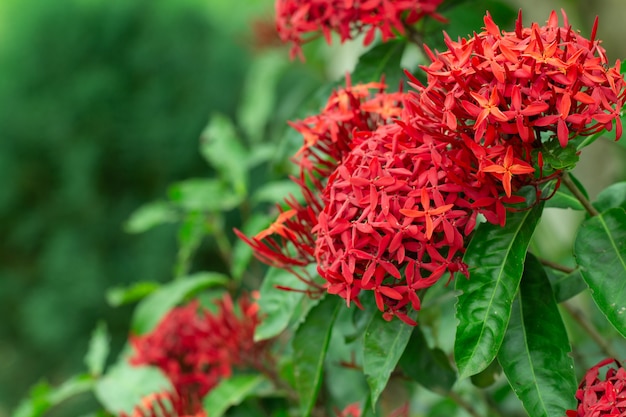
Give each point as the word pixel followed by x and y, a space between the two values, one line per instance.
pixel 102 103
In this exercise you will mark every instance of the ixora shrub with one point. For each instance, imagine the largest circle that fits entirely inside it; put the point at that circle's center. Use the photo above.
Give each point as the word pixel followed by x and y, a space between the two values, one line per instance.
pixel 404 254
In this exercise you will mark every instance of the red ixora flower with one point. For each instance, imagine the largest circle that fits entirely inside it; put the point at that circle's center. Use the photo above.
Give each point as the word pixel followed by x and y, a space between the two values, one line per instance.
pixel 196 348
pixel 348 18
pixel 602 397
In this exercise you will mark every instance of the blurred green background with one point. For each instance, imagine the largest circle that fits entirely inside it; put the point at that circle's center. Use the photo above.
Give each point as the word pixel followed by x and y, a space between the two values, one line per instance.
pixel 102 103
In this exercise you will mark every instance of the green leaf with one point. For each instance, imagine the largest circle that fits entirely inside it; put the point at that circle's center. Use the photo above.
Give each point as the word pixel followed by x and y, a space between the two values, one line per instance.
pixel 42 396
pixel 429 367
pixel 152 308
pixel 612 196
pixel 487 376
pixel 242 253
pixel 207 195
pixel 259 93
pixel 231 392
pixel 99 346
pixel 534 353
pixel 118 296
pixel 194 227
pixel 564 199
pixel 123 386
pixel 277 307
pixel 222 148
pixel 150 215
pixel 566 286
pixel 383 59
pixel 557 157
pixel 383 345
pixel 600 250
pixel 276 191
pixel 310 344
pixel 495 257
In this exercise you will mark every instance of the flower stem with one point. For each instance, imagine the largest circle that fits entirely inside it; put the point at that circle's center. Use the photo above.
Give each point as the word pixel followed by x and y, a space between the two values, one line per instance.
pixel 569 183
pixel 557 267
pixel 588 327
pixel 461 402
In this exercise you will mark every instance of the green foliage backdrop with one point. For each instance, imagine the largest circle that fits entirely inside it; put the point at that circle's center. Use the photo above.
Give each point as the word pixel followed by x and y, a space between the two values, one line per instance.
pixel 101 107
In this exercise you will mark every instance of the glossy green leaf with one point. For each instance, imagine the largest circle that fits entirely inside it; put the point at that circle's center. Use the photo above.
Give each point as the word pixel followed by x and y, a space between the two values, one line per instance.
pixel 535 351
pixel 150 215
pixel 600 250
pixel 384 343
pixel 118 296
pixel 231 392
pixel 43 397
pixel 310 344
pixel 382 59
pixel 151 309
pixel 204 195
pixel 277 307
pixel 99 346
pixel 612 196
pixel 222 148
pixel 495 258
pixel 123 386
pixel 430 367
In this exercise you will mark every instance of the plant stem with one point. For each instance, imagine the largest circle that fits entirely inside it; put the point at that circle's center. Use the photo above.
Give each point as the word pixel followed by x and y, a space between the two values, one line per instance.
pixel 567 180
pixel 588 327
pixel 557 267
pixel 461 402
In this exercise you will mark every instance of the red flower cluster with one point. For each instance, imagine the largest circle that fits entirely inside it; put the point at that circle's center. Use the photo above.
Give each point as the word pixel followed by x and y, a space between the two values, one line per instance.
pixel 602 398
pixel 348 18
pixel 507 88
pixel 196 348
pixel 389 206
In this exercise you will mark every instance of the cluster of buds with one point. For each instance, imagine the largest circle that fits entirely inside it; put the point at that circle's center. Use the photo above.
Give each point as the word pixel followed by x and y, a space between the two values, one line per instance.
pixel 393 183
pixel 602 397
pixel 348 18
pixel 197 348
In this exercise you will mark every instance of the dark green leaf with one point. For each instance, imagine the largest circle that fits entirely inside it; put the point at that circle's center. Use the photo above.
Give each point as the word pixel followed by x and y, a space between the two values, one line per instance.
pixel 222 148
pixel 242 253
pixel 465 18
pixel 557 157
pixel 534 353
pixel 124 386
pixel 204 195
pixel 383 59
pixel 600 250
pixel 152 308
pixel 232 391
pixel 495 257
pixel 566 286
pixel 99 346
pixel 277 307
pixel 383 345
pixel 310 344
pixel 150 215
pixel 118 296
pixel 487 376
pixel 429 367
pixel 612 196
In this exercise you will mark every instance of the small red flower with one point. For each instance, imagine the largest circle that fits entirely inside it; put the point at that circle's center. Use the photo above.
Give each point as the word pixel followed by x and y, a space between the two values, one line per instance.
pixel 602 397
pixel 196 348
